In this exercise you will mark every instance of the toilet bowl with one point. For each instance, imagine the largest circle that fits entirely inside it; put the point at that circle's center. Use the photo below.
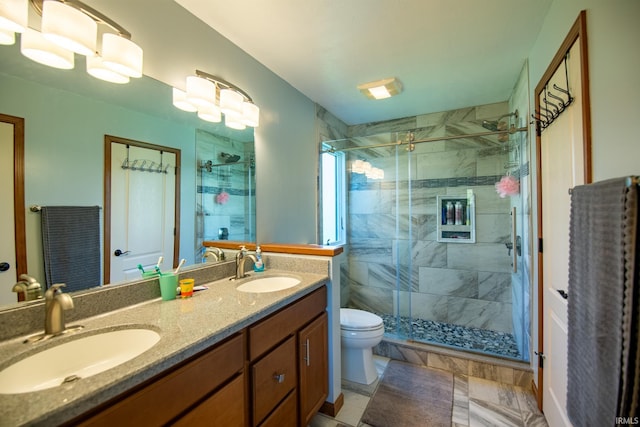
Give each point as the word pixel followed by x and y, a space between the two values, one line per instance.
pixel 360 331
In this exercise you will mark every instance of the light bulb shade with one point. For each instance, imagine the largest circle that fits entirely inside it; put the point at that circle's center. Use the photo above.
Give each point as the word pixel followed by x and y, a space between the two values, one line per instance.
pixel 69 28
pixel 210 113
pixel 381 89
pixel 234 121
pixel 250 114
pixel 7 37
pixel 200 92
pixel 180 101
pixel 97 69
pixel 35 47
pixel 13 15
pixel 122 55
pixel 231 102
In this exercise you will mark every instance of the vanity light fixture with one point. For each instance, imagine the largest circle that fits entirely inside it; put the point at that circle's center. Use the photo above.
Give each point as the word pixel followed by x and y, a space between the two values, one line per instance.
pixel 72 26
pixel 13 15
pixel 7 37
pixel 212 96
pixel 381 89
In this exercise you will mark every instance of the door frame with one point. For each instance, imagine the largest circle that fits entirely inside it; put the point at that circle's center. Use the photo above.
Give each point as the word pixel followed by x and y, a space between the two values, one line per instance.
pixel 108 141
pixel 18 192
pixel 577 33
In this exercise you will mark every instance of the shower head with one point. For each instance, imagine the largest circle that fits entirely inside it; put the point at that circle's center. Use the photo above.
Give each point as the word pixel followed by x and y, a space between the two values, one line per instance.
pixel 229 158
pixel 496 125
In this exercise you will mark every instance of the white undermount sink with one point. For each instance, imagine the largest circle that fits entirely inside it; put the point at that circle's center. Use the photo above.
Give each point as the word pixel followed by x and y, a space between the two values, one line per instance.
pixel 268 284
pixel 76 359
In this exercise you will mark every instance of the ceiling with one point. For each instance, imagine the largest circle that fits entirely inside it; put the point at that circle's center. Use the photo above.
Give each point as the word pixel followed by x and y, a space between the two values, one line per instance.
pixel 447 54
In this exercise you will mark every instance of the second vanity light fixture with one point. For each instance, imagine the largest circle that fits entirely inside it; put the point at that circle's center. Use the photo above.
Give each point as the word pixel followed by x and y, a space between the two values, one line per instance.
pixel 212 96
pixel 68 27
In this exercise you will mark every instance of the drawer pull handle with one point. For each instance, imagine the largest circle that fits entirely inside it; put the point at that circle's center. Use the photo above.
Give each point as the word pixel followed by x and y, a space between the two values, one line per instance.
pixel 306 357
pixel 279 378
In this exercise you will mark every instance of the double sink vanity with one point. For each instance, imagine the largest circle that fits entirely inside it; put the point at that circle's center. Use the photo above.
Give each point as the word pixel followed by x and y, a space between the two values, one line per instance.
pixel 252 351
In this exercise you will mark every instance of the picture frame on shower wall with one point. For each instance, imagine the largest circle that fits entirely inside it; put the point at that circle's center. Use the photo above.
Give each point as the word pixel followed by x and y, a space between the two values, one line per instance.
pixel 456 221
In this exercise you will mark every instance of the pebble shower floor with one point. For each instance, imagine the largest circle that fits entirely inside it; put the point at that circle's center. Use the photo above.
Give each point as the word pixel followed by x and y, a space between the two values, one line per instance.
pixel 484 340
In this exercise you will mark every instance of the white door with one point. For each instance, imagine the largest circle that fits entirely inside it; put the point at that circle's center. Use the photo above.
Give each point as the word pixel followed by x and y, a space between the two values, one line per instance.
pixel 7 247
pixel 562 168
pixel 142 210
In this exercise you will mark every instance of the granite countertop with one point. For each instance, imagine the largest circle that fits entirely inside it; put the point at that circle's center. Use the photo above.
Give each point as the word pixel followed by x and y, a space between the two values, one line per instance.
pixel 186 327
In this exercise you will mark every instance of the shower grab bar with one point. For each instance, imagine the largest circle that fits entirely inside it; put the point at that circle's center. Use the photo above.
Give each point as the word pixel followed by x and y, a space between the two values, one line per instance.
pixel 514 238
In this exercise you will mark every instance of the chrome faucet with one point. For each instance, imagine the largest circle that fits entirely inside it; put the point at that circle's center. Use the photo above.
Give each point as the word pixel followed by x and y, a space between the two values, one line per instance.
pixel 241 257
pixel 216 253
pixel 55 305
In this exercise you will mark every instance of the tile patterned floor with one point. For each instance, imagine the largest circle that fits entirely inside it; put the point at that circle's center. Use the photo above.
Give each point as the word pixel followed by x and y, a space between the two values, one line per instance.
pixel 476 403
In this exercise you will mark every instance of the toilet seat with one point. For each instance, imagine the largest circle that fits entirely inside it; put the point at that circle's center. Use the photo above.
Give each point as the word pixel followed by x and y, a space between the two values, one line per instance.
pixel 359 320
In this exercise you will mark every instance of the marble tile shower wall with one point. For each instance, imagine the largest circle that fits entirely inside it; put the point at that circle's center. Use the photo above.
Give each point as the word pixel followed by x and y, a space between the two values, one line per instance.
pixel 391 239
pixel 214 211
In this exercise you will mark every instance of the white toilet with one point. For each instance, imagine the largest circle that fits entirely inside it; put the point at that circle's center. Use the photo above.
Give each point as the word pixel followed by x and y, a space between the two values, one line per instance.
pixel 360 331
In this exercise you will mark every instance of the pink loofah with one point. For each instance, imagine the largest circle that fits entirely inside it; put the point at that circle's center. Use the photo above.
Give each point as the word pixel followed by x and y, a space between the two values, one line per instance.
pixel 508 186
pixel 222 198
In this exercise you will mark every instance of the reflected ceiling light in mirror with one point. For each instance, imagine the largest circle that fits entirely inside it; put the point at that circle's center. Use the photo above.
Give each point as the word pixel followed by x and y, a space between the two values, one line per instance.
pixel 180 101
pixel 203 92
pixel 7 37
pixel 73 26
pixel 97 68
pixel 13 15
pixel 69 27
pixel 35 47
pixel 381 89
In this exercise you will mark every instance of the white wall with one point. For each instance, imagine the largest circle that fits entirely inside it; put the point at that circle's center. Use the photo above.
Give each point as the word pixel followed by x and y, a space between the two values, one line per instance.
pixel 612 35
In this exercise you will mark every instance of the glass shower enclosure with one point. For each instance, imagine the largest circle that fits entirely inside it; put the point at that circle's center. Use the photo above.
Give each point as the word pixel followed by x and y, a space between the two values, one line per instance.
pixel 432 246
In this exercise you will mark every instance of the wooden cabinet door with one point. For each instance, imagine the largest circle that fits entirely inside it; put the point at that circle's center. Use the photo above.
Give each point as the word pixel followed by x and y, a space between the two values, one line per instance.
pixel 313 368
pixel 274 376
pixel 225 408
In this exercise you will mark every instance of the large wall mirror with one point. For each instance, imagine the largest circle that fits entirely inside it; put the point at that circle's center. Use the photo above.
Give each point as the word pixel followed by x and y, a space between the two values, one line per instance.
pixel 67 114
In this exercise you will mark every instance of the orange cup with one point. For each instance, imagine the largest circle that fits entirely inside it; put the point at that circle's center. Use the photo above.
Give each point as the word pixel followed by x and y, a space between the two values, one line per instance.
pixel 186 288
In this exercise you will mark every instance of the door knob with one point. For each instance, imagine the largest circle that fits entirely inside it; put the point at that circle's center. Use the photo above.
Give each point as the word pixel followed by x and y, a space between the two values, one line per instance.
pixel 4 266
pixel 118 252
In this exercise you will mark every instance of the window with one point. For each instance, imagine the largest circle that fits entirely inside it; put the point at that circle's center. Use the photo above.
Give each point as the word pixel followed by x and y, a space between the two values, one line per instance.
pixel 332 177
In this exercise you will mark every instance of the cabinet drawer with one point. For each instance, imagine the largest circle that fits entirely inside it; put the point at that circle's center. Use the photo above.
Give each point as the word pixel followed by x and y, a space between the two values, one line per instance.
pixel 284 415
pixel 285 322
pixel 174 393
pixel 224 408
pixel 274 376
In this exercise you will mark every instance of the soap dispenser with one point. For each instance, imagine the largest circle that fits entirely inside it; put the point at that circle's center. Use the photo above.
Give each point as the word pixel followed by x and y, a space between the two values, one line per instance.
pixel 258 266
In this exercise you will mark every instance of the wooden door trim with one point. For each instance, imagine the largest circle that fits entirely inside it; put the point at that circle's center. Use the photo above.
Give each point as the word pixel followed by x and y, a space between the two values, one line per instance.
pixel 18 192
pixel 577 33
pixel 108 140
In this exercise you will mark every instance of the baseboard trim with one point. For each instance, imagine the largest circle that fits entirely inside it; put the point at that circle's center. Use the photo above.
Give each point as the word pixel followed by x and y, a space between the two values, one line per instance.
pixel 332 409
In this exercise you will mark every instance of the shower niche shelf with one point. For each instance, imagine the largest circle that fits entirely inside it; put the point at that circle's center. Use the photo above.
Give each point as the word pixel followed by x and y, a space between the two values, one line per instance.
pixel 460 210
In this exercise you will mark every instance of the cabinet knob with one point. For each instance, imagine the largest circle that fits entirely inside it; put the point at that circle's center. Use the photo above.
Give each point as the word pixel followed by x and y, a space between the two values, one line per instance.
pixel 279 378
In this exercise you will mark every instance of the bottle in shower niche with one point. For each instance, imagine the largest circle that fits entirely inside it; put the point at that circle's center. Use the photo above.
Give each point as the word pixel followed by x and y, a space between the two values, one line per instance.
pixel 458 213
pixel 450 214
pixel 443 216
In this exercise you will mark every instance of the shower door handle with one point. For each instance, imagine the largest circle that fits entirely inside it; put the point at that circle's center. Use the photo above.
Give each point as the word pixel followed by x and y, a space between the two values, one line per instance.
pixel 514 239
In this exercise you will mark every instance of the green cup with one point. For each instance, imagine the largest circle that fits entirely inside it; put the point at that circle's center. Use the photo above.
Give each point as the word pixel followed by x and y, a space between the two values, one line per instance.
pixel 168 285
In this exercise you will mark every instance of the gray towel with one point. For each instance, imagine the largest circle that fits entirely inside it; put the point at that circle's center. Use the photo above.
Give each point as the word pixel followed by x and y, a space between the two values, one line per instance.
pixel 71 245
pixel 597 289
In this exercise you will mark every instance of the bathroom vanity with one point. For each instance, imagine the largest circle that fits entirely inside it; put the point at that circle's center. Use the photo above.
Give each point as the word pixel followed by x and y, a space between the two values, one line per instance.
pixel 225 357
